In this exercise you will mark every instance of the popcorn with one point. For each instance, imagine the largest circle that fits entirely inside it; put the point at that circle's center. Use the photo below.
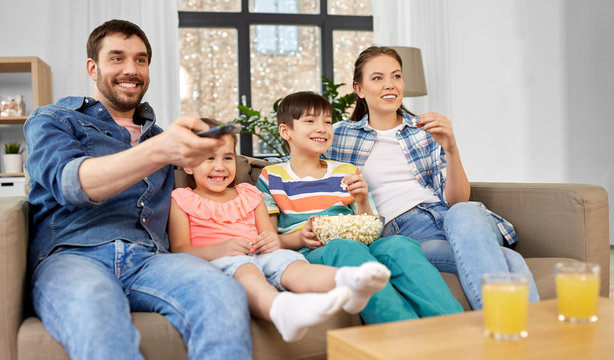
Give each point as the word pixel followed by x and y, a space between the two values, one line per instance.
pixel 364 228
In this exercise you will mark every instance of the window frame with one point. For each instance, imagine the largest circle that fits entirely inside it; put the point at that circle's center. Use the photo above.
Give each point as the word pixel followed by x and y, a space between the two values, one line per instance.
pixel 244 19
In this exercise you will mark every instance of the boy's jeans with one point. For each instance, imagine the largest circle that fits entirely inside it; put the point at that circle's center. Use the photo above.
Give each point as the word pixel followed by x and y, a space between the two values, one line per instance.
pixel 84 297
pixel 464 240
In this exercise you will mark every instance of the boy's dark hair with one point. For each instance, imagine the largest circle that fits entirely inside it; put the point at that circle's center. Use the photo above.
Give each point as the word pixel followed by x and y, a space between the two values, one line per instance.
pixel 111 27
pixel 213 123
pixel 295 105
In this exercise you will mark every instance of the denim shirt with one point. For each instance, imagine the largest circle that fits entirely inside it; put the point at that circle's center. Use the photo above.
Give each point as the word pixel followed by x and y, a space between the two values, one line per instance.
pixel 59 138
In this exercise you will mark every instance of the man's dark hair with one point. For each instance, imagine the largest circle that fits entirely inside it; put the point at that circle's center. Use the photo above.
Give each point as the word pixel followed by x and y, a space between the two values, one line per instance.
pixel 111 27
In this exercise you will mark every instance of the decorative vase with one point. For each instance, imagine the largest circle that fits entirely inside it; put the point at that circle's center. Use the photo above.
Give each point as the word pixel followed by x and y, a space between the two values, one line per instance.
pixel 12 163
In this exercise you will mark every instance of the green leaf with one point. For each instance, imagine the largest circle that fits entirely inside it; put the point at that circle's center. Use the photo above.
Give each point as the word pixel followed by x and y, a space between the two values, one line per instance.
pixel 12 148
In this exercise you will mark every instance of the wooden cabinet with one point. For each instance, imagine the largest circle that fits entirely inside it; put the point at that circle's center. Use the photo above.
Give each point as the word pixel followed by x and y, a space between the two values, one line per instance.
pixel 41 81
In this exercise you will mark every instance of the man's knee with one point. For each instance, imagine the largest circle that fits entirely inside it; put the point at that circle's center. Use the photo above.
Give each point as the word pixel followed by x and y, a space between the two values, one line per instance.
pixel 58 279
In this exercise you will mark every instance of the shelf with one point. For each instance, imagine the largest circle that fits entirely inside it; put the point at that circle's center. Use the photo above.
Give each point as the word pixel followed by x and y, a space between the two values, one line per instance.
pixel 19 174
pixel 41 81
pixel 13 119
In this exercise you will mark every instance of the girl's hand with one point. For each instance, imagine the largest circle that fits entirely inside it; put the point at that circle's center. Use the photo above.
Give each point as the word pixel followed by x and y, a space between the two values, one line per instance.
pixel 440 128
pixel 308 237
pixel 233 247
pixel 266 242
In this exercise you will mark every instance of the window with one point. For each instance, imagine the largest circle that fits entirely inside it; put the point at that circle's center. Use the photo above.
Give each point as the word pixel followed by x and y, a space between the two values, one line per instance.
pixel 254 52
pixel 276 39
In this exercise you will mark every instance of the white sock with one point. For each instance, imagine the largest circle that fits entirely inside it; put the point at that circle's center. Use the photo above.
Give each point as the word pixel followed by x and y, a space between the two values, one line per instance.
pixel 293 314
pixel 364 280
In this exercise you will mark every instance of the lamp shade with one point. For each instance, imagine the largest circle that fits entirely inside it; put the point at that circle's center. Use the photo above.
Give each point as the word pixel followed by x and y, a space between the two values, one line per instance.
pixel 413 71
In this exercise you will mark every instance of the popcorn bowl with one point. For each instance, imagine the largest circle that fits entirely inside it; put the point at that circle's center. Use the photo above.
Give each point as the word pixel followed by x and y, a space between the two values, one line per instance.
pixel 364 228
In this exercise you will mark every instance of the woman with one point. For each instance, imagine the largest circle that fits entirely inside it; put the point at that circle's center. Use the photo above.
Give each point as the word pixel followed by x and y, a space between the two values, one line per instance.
pixel 413 168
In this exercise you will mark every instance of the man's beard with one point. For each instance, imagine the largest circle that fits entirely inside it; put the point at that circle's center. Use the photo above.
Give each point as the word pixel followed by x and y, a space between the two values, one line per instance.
pixel 105 86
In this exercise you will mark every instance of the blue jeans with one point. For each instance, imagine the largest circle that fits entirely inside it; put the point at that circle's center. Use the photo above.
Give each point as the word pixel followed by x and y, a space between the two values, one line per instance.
pixel 84 297
pixel 463 240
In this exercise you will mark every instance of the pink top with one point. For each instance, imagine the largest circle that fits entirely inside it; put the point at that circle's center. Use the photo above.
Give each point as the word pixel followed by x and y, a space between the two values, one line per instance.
pixel 135 130
pixel 212 222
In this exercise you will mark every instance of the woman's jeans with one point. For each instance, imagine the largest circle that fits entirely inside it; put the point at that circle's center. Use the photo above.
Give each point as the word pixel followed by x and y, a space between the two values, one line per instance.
pixel 464 240
pixel 84 297
pixel 416 288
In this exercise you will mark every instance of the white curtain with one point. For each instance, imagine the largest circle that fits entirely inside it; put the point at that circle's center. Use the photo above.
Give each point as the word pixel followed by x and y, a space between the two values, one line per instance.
pixel 57 32
pixel 422 24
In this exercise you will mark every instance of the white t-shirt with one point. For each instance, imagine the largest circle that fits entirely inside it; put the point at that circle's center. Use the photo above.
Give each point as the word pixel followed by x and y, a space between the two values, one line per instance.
pixel 391 179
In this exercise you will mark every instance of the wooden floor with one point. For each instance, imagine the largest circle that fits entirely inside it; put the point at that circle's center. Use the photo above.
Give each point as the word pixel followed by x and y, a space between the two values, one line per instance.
pixel 611 272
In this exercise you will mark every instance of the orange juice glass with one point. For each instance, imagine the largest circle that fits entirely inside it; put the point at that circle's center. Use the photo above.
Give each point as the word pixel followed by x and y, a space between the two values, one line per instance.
pixel 577 290
pixel 506 302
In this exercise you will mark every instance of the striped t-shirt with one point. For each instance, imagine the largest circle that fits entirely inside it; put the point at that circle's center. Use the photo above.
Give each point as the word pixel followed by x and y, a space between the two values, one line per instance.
pixel 295 199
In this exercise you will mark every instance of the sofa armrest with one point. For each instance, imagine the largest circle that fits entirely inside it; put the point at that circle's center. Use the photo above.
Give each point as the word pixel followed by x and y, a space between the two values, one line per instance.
pixel 13 244
pixel 553 220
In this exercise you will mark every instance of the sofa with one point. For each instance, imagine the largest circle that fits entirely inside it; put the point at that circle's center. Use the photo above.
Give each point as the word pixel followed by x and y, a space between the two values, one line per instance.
pixel 554 222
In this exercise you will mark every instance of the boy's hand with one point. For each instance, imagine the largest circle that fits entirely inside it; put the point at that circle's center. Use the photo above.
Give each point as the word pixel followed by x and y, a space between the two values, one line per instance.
pixel 308 237
pixel 356 186
pixel 233 247
pixel 266 242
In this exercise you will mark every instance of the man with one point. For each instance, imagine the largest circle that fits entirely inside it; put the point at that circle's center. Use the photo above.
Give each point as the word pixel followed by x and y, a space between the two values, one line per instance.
pixel 101 175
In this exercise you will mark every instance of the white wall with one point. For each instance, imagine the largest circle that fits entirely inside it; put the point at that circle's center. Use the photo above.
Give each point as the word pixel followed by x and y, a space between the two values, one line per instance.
pixel 532 82
pixel 508 86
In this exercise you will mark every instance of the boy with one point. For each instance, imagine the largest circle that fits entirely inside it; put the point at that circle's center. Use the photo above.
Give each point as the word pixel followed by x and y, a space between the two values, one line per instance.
pixel 308 186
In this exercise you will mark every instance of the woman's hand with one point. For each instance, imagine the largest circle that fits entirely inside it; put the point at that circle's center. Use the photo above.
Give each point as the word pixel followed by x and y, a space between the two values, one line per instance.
pixel 266 242
pixel 308 237
pixel 440 128
pixel 457 185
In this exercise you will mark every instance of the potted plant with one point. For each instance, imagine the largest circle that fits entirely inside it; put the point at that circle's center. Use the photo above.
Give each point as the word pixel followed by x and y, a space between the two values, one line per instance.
pixel 12 158
pixel 265 128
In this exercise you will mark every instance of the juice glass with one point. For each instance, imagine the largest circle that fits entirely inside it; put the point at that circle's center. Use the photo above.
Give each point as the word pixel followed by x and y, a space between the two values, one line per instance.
pixel 506 302
pixel 577 290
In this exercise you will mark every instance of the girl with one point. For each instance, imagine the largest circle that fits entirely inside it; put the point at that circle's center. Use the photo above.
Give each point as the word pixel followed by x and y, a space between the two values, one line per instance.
pixel 231 228
pixel 413 167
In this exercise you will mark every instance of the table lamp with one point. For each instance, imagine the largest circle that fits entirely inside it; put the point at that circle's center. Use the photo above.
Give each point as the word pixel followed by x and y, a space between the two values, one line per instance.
pixel 413 71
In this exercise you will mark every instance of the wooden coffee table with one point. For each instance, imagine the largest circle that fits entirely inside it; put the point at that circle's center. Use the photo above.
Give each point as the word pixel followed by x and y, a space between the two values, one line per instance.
pixel 461 336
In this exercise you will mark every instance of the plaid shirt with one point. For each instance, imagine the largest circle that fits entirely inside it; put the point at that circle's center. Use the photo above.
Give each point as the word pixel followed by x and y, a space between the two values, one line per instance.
pixel 354 140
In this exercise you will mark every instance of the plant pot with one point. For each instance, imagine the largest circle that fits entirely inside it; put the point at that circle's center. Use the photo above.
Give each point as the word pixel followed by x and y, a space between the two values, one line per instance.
pixel 12 163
